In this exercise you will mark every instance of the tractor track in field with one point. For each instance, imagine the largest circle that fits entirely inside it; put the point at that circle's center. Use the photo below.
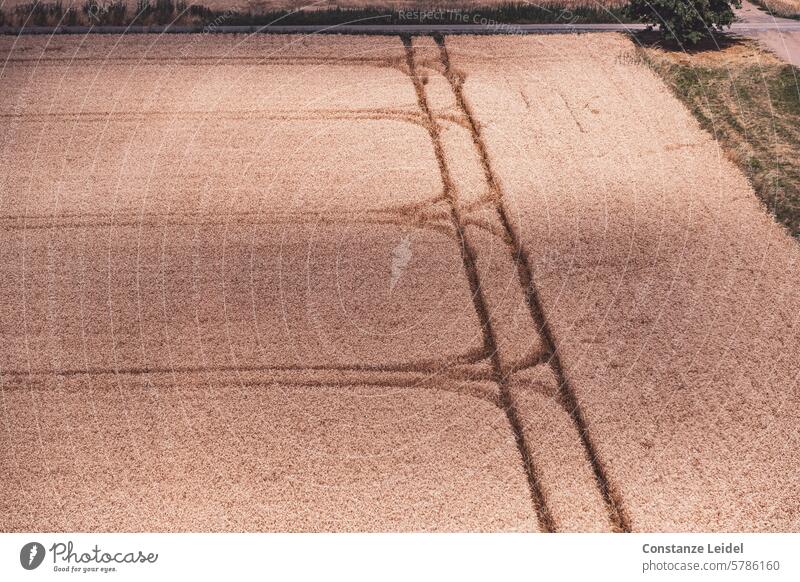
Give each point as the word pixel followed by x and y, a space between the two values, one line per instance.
pixel 479 301
pixel 520 257
pixel 479 373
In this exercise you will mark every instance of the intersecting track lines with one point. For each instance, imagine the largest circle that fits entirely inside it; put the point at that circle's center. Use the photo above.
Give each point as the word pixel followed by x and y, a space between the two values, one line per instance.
pixel 479 301
pixel 566 392
pixel 395 456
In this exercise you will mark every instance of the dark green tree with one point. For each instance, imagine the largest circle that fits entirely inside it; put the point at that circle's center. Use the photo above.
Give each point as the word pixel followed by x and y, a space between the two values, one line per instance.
pixel 684 21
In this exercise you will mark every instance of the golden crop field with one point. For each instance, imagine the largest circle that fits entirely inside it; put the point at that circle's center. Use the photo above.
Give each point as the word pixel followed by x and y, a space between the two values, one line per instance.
pixel 345 283
pixel 785 8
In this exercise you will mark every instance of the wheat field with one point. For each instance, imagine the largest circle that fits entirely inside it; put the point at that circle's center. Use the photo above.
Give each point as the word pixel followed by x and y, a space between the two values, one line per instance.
pixel 344 283
pixel 784 8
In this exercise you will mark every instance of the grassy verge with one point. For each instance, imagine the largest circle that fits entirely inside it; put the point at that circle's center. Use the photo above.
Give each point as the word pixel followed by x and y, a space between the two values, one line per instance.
pixel 750 101
pixel 146 12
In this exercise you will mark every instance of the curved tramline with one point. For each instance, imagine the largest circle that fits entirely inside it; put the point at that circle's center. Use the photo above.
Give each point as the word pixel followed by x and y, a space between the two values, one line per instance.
pixel 382 283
